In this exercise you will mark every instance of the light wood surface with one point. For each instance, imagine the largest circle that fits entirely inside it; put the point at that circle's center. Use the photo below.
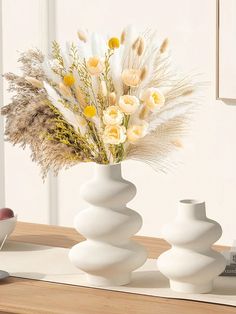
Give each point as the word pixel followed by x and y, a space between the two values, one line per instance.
pixel 37 297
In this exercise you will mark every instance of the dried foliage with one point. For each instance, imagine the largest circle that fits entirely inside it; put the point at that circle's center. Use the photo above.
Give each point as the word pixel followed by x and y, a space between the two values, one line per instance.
pixel 100 101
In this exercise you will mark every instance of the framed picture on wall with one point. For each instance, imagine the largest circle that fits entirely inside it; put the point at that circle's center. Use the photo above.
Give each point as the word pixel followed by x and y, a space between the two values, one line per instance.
pixel 226 50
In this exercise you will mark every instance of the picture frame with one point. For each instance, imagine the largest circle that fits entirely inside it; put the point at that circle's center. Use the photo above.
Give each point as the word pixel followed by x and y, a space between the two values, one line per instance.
pixel 225 50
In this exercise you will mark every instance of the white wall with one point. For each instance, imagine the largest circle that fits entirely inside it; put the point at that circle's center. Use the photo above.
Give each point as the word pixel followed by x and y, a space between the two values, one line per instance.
pixel 207 170
pixel 25 192
pixel 2 165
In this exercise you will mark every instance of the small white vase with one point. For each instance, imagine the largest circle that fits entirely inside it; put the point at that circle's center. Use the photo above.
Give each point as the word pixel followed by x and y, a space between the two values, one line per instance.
pixel 108 256
pixel 191 265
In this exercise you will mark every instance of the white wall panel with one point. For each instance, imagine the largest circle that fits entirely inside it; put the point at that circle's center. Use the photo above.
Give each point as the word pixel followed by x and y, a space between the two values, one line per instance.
pixel 25 191
pixel 227 49
pixel 208 167
pixel 2 164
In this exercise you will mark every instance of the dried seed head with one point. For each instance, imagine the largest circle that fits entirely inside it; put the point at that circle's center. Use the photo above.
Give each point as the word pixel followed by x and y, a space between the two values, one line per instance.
pixel 122 37
pixel 126 89
pixel 144 113
pixel 135 44
pixel 33 81
pixel 112 98
pixel 80 96
pixel 140 47
pixel 82 36
pixel 177 143
pixel 188 92
pixel 103 88
pixel 143 74
pixel 64 90
pixel 164 45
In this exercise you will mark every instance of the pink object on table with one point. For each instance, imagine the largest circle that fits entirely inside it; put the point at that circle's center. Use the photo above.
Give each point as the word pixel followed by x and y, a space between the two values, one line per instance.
pixel 6 213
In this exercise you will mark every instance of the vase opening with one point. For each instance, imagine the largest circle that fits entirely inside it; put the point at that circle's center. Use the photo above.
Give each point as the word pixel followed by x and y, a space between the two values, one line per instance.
pixel 192 209
pixel 192 202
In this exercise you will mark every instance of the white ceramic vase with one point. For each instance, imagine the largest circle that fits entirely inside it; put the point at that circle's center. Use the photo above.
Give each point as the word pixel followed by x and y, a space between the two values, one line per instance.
pixel 108 256
pixel 191 265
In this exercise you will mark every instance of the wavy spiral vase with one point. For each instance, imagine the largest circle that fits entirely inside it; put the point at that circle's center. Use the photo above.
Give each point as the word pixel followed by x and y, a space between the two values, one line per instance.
pixel 108 256
pixel 191 265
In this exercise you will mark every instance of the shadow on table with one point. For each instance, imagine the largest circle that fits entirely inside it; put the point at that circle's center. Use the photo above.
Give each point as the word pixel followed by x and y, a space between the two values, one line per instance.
pixel 154 279
pixel 28 275
pixel 148 279
pixel 225 285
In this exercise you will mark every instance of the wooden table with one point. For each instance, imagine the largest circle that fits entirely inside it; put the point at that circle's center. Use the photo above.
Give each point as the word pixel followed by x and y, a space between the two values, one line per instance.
pixel 26 296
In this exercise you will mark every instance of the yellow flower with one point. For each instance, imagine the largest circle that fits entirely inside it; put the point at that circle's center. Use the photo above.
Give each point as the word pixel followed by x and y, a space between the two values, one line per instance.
pixel 131 77
pixel 128 104
pixel 113 43
pixel 153 98
pixel 95 65
pixel 112 115
pixel 114 134
pixel 135 132
pixel 90 111
pixel 69 79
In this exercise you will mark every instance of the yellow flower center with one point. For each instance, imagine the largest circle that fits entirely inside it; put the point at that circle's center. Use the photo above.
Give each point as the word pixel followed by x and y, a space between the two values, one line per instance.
pixel 93 62
pixel 137 131
pixel 129 101
pixel 113 113
pixel 113 43
pixel 114 132
pixel 90 111
pixel 69 79
pixel 156 98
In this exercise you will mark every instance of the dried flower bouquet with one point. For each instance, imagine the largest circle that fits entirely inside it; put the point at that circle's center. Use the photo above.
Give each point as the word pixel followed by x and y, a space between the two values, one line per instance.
pixel 102 100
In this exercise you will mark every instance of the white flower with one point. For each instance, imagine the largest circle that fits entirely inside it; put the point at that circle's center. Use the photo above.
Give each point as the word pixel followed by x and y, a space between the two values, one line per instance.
pixel 153 98
pixel 95 65
pixel 137 131
pixel 128 104
pixel 112 115
pixel 114 134
pixel 131 77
